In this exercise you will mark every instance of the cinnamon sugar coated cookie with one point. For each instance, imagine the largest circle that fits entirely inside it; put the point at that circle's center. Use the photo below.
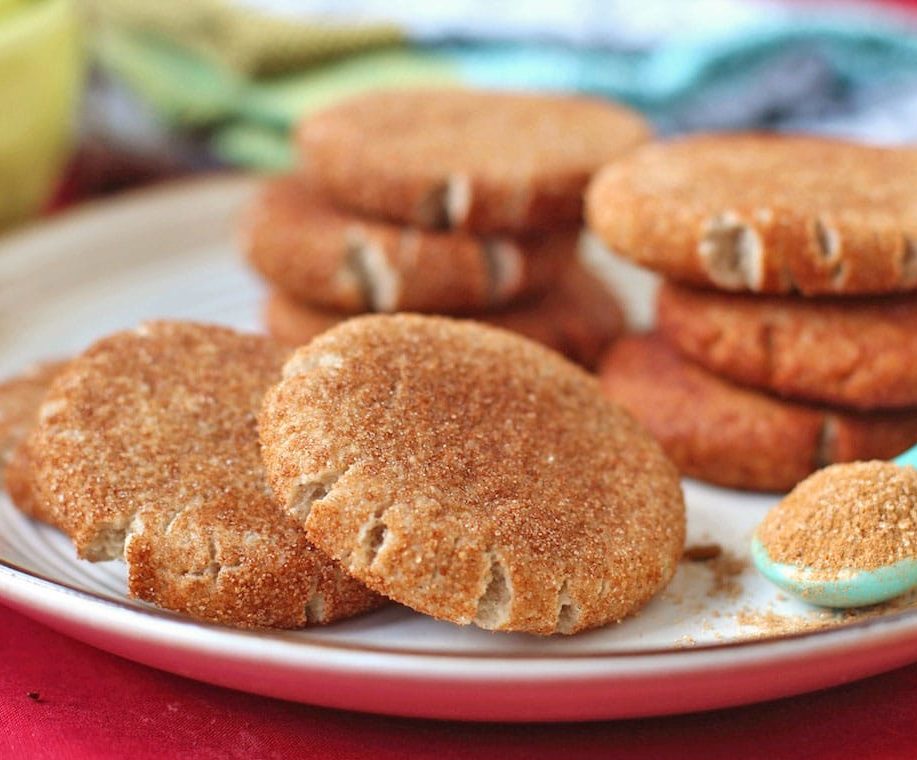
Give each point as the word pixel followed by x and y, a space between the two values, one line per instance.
pixel 20 398
pixel 332 259
pixel 17 478
pixel 147 448
pixel 472 475
pixel 854 352
pixel 294 324
pixel 460 159
pixel 579 319
pixel 764 213
pixel 738 437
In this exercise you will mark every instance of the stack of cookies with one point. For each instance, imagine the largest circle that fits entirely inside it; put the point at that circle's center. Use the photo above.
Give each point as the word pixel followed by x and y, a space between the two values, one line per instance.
pixel 787 329
pixel 452 202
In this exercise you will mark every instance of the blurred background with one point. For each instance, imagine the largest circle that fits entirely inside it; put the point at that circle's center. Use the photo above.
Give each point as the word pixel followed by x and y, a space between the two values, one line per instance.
pixel 102 95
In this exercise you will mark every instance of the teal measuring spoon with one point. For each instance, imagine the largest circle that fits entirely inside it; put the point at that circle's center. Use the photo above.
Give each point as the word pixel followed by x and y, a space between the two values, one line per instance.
pixel 851 587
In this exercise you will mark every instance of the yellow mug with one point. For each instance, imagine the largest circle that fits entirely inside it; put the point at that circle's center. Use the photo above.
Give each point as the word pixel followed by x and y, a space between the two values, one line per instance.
pixel 41 73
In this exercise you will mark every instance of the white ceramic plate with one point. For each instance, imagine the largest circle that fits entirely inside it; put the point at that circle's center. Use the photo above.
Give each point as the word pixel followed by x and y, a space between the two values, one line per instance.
pixel 170 253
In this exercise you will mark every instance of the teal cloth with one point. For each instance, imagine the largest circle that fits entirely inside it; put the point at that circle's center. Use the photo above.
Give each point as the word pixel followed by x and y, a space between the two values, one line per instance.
pixel 251 118
pixel 656 81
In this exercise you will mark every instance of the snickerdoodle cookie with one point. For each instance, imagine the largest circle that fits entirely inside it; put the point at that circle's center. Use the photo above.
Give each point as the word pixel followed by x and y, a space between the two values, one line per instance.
pixel 333 259
pixel 146 447
pixel 738 437
pixel 18 483
pixel 854 352
pixel 460 159
pixel 765 213
pixel 579 318
pixel 471 475
pixel 20 398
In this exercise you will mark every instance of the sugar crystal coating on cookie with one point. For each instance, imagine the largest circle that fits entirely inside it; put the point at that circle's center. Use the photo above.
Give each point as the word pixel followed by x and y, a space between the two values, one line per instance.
pixel 472 475
pixel 579 318
pixel 20 399
pixel 853 352
pixel 460 159
pixel 740 437
pixel 764 213
pixel 334 259
pixel 147 448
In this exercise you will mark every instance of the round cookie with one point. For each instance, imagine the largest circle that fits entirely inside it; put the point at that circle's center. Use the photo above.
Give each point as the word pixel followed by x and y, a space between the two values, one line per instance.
pixel 294 324
pixel 471 475
pixel 459 159
pixel 18 483
pixel 735 437
pixel 147 448
pixel 20 398
pixel 854 352
pixel 580 318
pixel 764 213
pixel 333 259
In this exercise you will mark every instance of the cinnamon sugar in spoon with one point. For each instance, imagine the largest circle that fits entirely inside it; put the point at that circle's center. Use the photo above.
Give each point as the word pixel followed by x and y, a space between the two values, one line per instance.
pixel 846 536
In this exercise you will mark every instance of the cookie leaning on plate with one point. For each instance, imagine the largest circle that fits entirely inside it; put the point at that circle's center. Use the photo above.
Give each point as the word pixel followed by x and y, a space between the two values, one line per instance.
pixel 764 213
pixel 20 399
pixel 147 448
pixel 333 259
pixel 18 483
pixel 738 437
pixel 471 475
pixel 854 352
pixel 458 159
pixel 579 318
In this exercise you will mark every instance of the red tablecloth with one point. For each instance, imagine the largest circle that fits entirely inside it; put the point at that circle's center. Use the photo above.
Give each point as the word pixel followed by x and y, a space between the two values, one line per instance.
pixel 94 705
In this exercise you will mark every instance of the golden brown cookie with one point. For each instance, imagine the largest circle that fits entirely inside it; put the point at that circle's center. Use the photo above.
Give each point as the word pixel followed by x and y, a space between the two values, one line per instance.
pixel 460 159
pixel 332 259
pixel 764 213
pixel 853 352
pixel 580 318
pixel 472 475
pixel 295 324
pixel 20 398
pixel 18 483
pixel 737 437
pixel 147 448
